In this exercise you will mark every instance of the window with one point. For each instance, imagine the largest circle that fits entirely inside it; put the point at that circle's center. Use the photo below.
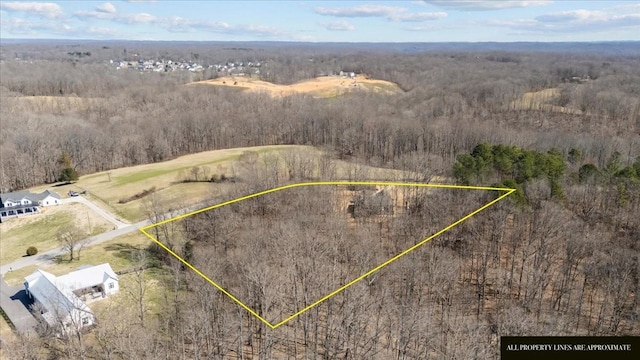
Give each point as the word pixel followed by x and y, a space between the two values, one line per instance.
pixel 85 321
pixel 111 286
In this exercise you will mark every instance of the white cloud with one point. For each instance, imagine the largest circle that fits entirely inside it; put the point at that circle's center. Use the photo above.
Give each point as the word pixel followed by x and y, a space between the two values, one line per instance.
pixel 139 18
pixel 338 26
pixel 632 7
pixel 47 10
pixel 177 24
pixel 391 13
pixel 578 15
pixel 432 28
pixel 572 21
pixel 417 17
pixel 106 8
pixel 360 11
pixel 482 5
pixel 19 26
pixel 180 24
pixel 84 14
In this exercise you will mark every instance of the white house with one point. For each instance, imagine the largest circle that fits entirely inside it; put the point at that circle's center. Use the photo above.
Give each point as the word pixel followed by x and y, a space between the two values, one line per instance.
pixel 24 202
pixel 61 300
pixel 101 279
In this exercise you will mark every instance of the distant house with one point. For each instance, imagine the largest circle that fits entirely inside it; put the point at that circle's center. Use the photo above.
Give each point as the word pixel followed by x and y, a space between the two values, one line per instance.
pixel 61 300
pixel 24 202
pixel 371 203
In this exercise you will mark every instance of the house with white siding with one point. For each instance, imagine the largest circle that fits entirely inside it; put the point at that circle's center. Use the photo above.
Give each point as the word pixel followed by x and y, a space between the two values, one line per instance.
pixel 61 301
pixel 24 202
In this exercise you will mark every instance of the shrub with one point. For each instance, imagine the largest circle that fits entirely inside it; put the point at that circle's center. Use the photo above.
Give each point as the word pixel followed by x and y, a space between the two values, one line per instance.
pixel 32 250
pixel 589 173
pixel 137 196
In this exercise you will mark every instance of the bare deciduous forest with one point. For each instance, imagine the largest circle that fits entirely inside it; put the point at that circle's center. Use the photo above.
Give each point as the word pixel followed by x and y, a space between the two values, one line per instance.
pixel 560 257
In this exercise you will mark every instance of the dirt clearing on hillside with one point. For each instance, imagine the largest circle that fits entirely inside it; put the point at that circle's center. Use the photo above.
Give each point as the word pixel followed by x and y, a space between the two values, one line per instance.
pixel 543 100
pixel 321 87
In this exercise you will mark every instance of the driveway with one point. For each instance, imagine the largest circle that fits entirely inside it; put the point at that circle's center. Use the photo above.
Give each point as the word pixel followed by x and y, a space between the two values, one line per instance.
pixel 45 258
pixel 107 216
pixel 14 302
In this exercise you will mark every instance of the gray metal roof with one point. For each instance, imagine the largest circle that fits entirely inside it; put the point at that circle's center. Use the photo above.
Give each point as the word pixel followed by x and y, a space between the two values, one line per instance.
pixel 19 195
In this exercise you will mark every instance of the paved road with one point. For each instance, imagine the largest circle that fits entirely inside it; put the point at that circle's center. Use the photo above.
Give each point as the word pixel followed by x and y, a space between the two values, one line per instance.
pixel 45 258
pixel 13 298
pixel 80 199
pixel 12 301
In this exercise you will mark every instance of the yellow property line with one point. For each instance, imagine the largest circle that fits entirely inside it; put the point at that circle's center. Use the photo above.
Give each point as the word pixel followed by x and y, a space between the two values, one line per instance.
pixel 507 191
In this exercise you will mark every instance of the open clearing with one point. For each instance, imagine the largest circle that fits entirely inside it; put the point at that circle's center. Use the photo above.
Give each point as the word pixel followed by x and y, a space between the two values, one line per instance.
pixel 40 230
pixel 107 188
pixel 543 100
pixel 321 87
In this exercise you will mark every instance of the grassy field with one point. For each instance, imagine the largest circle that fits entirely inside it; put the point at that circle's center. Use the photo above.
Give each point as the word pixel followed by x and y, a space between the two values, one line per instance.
pixel 124 300
pixel 106 189
pixel 321 87
pixel 116 252
pixel 40 230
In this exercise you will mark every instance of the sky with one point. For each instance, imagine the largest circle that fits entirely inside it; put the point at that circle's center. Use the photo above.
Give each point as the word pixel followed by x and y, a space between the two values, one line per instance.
pixel 324 21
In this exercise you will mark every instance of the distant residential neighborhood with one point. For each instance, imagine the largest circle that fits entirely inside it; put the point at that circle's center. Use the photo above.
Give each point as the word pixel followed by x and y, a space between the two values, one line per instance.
pixel 238 68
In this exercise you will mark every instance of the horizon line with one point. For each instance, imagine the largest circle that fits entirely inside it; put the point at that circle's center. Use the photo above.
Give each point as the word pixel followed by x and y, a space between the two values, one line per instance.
pixel 327 42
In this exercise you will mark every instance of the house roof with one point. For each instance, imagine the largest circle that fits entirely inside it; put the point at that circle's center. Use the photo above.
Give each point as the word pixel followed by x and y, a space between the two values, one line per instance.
pixel 88 276
pixel 19 195
pixel 15 196
pixel 46 193
pixel 55 293
pixel 57 298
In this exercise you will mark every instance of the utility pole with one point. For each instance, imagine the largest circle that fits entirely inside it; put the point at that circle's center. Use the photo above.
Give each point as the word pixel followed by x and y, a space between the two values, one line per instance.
pixel 89 222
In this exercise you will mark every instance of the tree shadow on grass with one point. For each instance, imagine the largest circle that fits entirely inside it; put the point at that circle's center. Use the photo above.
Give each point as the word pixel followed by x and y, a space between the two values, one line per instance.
pixel 60 259
pixel 123 250
pixel 64 183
